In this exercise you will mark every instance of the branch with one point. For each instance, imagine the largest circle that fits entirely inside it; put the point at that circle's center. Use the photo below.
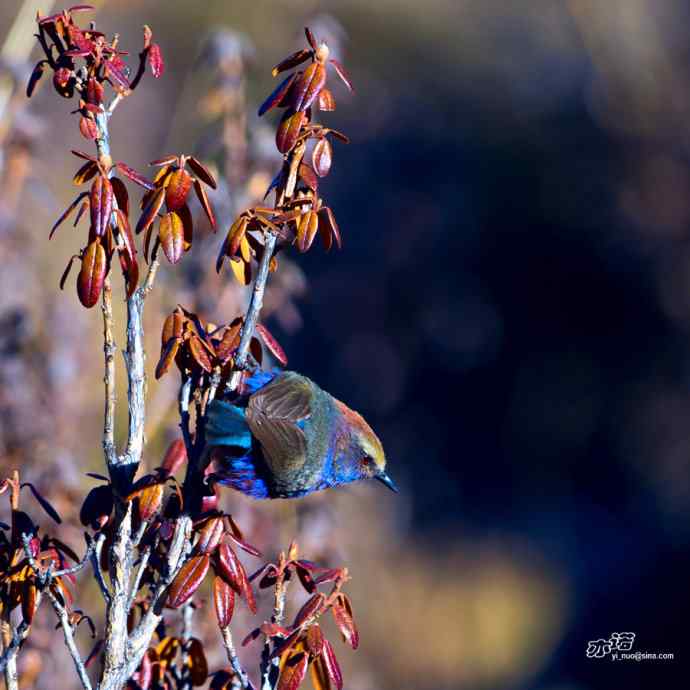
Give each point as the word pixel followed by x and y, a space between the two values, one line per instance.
pixel 270 667
pixel 109 378
pixel 234 660
pixel 96 564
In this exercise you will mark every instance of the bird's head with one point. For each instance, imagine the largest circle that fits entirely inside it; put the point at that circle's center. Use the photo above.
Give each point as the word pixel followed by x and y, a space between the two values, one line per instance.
pixel 366 450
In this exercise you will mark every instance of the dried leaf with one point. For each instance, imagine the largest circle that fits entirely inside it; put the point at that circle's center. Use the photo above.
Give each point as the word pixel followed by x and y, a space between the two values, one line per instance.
pixel 133 175
pixel 151 210
pixel 29 605
pixel 202 172
pixel 166 160
pixel 200 354
pixel 326 100
pixel 229 342
pixel 288 130
pixel 342 73
pixel 278 94
pixel 173 326
pixel 241 270
pixel 293 672
pixel 291 61
pixel 322 157
pixel 329 228
pixel 167 357
pixel 271 343
pixel 84 156
pixel 307 87
pixel 101 204
pixel 319 675
pixel 188 580
pixel 171 235
pixel 205 204
pixel 94 268
pixel 66 213
pixel 223 601
pixel 306 230
pixel 179 184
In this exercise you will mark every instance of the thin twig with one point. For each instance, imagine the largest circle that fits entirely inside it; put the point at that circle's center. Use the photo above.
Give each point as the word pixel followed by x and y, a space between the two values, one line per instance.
pixel 68 632
pixel 270 665
pixel 143 562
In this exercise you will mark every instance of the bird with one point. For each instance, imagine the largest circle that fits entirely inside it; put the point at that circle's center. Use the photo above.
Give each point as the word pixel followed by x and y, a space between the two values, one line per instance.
pixel 284 437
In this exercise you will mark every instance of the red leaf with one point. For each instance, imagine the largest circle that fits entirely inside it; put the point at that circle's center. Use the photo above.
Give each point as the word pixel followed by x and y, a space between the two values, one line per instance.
pixel 288 130
pixel 188 580
pixel 326 100
pixel 223 601
pixel 171 234
pixel 149 213
pixel 293 672
pixel 277 95
pixel 210 535
pixel 134 176
pixel 205 204
pixel 308 86
pixel 332 665
pixel 201 171
pixel 322 157
pixel 329 228
pixel 178 187
pixel 92 274
pixel 175 457
pixel 101 204
pixel 116 75
pixel 35 76
pixel 310 608
pixel 233 571
pixel 310 38
pixel 314 640
pixel 272 344
pixel 291 61
pixel 155 59
pixel 66 213
pixel 342 73
pixel 342 614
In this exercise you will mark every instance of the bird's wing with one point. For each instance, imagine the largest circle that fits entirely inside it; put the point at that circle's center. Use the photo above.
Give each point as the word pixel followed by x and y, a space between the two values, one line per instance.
pixel 273 416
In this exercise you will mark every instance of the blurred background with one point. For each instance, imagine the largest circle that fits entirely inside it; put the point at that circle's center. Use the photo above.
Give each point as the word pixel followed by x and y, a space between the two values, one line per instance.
pixel 510 311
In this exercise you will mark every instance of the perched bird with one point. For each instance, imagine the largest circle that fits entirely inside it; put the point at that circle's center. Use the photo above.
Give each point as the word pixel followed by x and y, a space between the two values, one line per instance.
pixel 285 437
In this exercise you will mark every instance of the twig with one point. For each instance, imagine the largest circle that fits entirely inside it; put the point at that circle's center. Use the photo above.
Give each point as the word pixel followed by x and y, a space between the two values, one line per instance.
pixel 144 561
pixel 109 378
pixel 270 666
pixel 234 660
pixel 68 632
pixel 257 298
pixel 96 564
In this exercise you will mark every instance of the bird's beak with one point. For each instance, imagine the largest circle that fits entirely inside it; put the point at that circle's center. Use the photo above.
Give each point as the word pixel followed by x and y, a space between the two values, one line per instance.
pixel 387 481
